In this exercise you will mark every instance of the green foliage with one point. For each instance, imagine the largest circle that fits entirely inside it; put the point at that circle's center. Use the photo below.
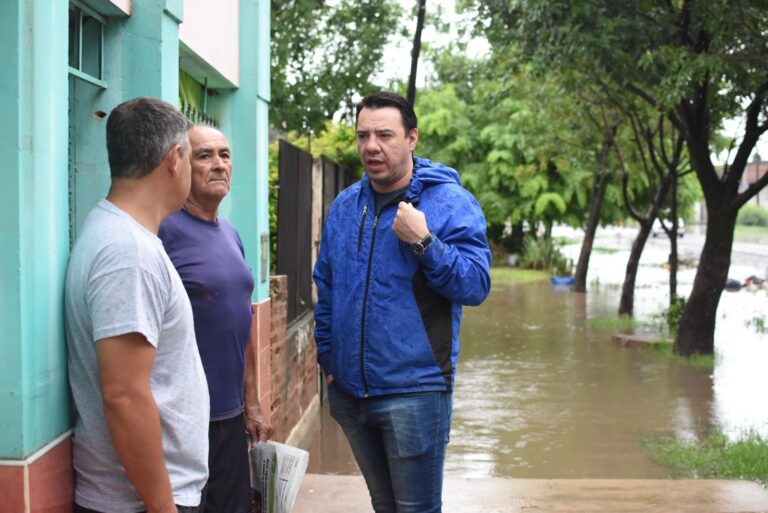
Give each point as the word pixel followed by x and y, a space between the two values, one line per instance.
pixel 336 141
pixel 323 55
pixel 672 314
pixel 549 203
pixel 752 215
pixel 445 128
pixel 716 457
pixel 695 64
pixel 544 254
pixel 759 323
pixel 516 142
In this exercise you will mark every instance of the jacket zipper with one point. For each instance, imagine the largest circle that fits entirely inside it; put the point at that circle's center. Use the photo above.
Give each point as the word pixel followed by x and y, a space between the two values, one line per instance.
pixel 360 233
pixel 365 302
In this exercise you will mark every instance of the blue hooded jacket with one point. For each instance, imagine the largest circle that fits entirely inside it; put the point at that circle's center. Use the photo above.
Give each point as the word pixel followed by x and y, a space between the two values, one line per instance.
pixel 387 321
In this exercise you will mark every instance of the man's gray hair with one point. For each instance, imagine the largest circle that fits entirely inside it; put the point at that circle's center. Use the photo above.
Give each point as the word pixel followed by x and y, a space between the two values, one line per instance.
pixel 139 134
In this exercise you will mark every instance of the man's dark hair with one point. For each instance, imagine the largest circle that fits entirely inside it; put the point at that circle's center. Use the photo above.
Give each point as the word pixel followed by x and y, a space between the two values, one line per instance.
pixel 139 134
pixel 387 99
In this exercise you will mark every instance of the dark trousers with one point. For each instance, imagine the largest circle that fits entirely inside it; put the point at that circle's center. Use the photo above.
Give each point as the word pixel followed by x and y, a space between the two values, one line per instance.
pixel 229 483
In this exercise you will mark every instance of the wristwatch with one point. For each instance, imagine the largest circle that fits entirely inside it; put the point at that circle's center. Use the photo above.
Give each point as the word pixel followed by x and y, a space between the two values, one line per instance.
pixel 419 247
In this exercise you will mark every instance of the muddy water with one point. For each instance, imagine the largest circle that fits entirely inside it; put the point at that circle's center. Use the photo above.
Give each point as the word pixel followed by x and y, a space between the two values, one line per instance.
pixel 542 394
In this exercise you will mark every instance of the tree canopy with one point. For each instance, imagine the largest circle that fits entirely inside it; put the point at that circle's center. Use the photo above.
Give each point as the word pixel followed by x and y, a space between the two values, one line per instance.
pixel 323 54
pixel 695 62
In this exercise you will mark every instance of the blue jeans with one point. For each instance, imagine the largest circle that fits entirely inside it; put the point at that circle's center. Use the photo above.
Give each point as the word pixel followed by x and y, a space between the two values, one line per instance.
pixel 399 443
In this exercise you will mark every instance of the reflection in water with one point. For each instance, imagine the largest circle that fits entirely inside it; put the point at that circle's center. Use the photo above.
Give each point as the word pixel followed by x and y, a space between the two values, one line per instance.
pixel 541 394
pixel 741 380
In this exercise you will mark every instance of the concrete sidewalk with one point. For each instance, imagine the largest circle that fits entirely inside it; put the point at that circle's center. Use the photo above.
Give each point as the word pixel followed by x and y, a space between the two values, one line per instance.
pixel 347 494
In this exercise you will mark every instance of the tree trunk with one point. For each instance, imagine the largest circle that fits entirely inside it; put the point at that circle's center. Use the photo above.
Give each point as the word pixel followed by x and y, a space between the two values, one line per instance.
pixel 411 95
pixel 673 246
pixel 627 302
pixel 696 333
pixel 596 205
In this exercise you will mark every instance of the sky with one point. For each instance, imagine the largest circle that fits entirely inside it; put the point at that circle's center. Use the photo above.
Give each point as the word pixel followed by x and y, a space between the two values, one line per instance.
pixel 735 127
pixel 397 63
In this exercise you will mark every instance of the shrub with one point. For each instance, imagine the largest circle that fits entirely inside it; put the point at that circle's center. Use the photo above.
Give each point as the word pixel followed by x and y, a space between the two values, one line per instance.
pixel 674 312
pixel 752 215
pixel 546 255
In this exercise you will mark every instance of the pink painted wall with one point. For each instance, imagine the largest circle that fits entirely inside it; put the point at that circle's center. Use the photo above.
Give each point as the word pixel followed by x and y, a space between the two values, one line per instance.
pixel 211 30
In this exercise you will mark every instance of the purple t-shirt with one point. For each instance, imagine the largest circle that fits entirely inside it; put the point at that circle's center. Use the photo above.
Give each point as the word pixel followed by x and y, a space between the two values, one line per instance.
pixel 210 260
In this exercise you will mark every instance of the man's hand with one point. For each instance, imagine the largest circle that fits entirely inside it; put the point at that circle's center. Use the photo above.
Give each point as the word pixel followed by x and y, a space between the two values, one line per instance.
pixel 256 425
pixel 410 225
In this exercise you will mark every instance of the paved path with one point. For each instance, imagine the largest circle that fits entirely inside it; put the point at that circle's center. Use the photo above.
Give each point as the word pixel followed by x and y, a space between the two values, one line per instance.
pixel 347 494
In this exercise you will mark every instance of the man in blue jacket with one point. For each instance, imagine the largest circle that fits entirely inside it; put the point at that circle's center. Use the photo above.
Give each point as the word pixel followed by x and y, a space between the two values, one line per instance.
pixel 402 250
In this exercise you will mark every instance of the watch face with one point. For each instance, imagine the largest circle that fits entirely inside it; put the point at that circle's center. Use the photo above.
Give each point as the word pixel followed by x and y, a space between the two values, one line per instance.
pixel 419 247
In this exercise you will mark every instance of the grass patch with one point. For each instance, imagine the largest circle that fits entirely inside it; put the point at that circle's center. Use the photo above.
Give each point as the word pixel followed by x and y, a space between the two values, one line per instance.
pixel 565 241
pixel 607 251
pixel 716 457
pixel 517 275
pixel 664 347
pixel 751 233
pixel 623 323
pixel 699 361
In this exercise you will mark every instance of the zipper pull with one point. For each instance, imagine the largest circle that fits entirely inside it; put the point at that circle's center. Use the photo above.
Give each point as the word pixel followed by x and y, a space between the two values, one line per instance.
pixel 360 233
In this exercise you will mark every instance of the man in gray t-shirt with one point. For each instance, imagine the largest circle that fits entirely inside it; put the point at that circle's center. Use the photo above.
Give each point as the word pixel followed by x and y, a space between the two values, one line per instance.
pixel 141 437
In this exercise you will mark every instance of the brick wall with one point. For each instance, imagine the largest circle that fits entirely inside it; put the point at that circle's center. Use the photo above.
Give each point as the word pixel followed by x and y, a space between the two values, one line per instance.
pixel 294 381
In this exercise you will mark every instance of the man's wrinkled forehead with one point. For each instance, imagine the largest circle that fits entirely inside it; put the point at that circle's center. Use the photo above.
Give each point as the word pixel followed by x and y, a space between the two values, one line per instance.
pixel 205 138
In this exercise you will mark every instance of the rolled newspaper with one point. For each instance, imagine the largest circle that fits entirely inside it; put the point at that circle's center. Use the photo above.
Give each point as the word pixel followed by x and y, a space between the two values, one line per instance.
pixel 276 474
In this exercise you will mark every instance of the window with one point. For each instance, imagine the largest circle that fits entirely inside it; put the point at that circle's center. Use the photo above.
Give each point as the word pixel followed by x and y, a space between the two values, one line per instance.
pixel 86 44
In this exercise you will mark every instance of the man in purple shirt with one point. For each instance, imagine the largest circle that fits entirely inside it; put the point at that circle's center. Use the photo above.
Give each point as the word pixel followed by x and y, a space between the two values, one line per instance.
pixel 208 254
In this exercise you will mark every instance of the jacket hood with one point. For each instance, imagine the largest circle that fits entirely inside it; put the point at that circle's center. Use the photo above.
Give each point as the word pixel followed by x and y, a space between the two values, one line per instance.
pixel 426 174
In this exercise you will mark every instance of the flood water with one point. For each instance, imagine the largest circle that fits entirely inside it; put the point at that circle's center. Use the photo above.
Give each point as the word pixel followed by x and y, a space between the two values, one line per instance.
pixel 540 393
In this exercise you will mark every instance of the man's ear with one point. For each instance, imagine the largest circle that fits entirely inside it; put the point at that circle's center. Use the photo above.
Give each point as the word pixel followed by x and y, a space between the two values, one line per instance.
pixel 413 137
pixel 173 158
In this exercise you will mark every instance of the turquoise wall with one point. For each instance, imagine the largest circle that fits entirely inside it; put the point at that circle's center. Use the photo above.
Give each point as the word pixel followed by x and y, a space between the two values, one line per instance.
pixel 34 402
pixel 141 55
pixel 262 122
pixel 140 59
pixel 243 117
pixel 56 170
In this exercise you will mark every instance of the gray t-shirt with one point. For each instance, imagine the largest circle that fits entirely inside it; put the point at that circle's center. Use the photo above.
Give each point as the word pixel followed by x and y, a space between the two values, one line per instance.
pixel 120 281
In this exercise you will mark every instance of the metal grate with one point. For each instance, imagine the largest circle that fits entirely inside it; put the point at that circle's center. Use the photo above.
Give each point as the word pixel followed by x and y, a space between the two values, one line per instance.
pixel 197 116
pixel 294 227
